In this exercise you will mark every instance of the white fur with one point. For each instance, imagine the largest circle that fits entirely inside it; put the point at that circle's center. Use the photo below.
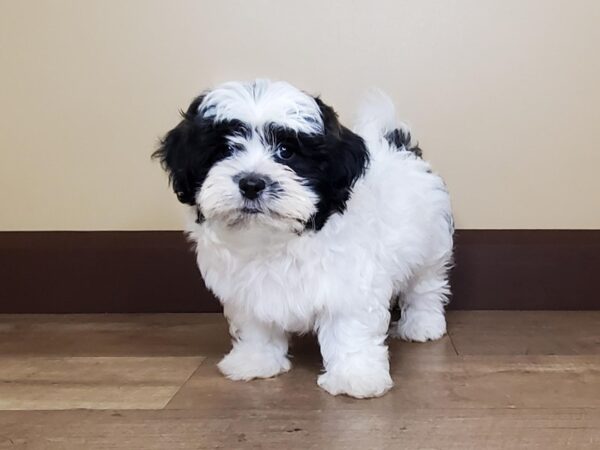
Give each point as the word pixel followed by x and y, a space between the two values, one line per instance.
pixel 263 102
pixel 219 197
pixel 394 240
pixel 377 116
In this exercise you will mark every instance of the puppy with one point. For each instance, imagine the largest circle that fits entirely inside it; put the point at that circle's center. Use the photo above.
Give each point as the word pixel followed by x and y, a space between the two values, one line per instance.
pixel 303 225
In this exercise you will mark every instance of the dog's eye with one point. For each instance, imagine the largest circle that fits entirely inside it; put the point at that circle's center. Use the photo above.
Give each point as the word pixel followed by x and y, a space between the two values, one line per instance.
pixel 284 153
pixel 233 147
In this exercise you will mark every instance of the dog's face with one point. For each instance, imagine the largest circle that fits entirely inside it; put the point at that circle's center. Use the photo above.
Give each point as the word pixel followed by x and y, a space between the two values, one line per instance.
pixel 265 154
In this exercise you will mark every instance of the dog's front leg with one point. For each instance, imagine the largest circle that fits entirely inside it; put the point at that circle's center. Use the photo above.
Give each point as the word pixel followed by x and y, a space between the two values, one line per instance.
pixel 355 355
pixel 259 349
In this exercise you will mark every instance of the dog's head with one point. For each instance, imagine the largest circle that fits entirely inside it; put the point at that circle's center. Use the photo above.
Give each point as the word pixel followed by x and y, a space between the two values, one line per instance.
pixel 262 153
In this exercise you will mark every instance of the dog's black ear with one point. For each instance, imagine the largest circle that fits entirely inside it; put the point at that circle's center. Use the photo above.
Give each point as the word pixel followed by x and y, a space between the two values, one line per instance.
pixel 348 159
pixel 348 150
pixel 180 154
pixel 330 118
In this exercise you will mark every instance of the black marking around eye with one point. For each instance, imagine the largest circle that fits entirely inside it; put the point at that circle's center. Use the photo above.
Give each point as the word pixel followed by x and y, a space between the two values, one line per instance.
pixel 234 146
pixel 190 149
pixel 239 129
pixel 276 134
pixel 327 163
pixel 277 137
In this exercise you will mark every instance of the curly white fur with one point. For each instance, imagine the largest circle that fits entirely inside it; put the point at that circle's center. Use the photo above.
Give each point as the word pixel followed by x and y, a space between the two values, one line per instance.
pixel 393 241
pixel 261 102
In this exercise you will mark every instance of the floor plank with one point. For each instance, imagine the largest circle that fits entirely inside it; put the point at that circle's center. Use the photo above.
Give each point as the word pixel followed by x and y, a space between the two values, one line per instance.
pixel 500 380
pixel 462 382
pixel 335 428
pixel 297 389
pixel 472 332
pixel 113 334
pixel 92 382
pixel 525 332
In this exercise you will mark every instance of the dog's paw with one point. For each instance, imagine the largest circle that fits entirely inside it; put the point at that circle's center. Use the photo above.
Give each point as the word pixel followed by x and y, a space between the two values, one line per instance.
pixel 246 364
pixel 419 326
pixel 363 383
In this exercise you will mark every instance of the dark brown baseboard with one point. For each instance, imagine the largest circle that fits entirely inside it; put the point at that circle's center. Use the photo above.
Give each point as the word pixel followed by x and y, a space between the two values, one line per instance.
pixel 155 271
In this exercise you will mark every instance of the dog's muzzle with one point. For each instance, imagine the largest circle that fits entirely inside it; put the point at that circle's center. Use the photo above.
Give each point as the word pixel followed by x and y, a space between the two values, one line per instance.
pixel 251 186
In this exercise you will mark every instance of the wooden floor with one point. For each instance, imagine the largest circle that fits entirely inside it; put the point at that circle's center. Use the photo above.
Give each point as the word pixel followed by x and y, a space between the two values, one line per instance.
pixel 500 380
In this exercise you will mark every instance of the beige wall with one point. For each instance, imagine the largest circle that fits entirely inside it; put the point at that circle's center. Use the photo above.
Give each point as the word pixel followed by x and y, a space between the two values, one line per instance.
pixel 504 97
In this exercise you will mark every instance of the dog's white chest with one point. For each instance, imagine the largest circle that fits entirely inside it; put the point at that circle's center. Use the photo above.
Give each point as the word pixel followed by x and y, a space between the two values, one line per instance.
pixel 282 287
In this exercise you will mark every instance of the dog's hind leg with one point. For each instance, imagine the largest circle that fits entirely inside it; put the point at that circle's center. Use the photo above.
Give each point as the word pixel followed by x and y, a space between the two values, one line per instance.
pixel 422 307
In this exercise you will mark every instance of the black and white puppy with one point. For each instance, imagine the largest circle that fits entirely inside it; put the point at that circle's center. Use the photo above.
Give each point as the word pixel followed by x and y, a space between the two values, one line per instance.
pixel 303 225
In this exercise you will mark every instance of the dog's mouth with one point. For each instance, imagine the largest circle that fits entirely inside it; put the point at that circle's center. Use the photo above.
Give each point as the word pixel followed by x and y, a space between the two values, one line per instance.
pixel 257 216
pixel 249 210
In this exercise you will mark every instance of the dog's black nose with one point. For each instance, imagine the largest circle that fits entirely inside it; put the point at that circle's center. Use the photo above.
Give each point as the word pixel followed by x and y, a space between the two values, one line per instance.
pixel 251 185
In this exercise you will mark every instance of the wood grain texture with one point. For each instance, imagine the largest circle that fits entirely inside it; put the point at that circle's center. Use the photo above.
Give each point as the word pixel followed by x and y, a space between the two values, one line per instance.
pixel 92 382
pixel 297 389
pixel 525 332
pixel 113 334
pixel 499 380
pixel 450 382
pixel 340 428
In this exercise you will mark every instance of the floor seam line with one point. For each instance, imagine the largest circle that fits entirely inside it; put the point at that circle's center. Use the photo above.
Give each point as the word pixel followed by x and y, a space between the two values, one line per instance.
pixel 453 344
pixel 183 384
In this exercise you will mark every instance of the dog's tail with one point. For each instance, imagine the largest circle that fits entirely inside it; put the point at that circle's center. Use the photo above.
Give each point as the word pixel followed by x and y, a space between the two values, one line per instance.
pixel 376 120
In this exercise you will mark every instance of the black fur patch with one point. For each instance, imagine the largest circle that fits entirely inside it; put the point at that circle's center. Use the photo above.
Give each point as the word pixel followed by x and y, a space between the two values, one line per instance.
pixel 330 162
pixel 401 139
pixel 190 149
